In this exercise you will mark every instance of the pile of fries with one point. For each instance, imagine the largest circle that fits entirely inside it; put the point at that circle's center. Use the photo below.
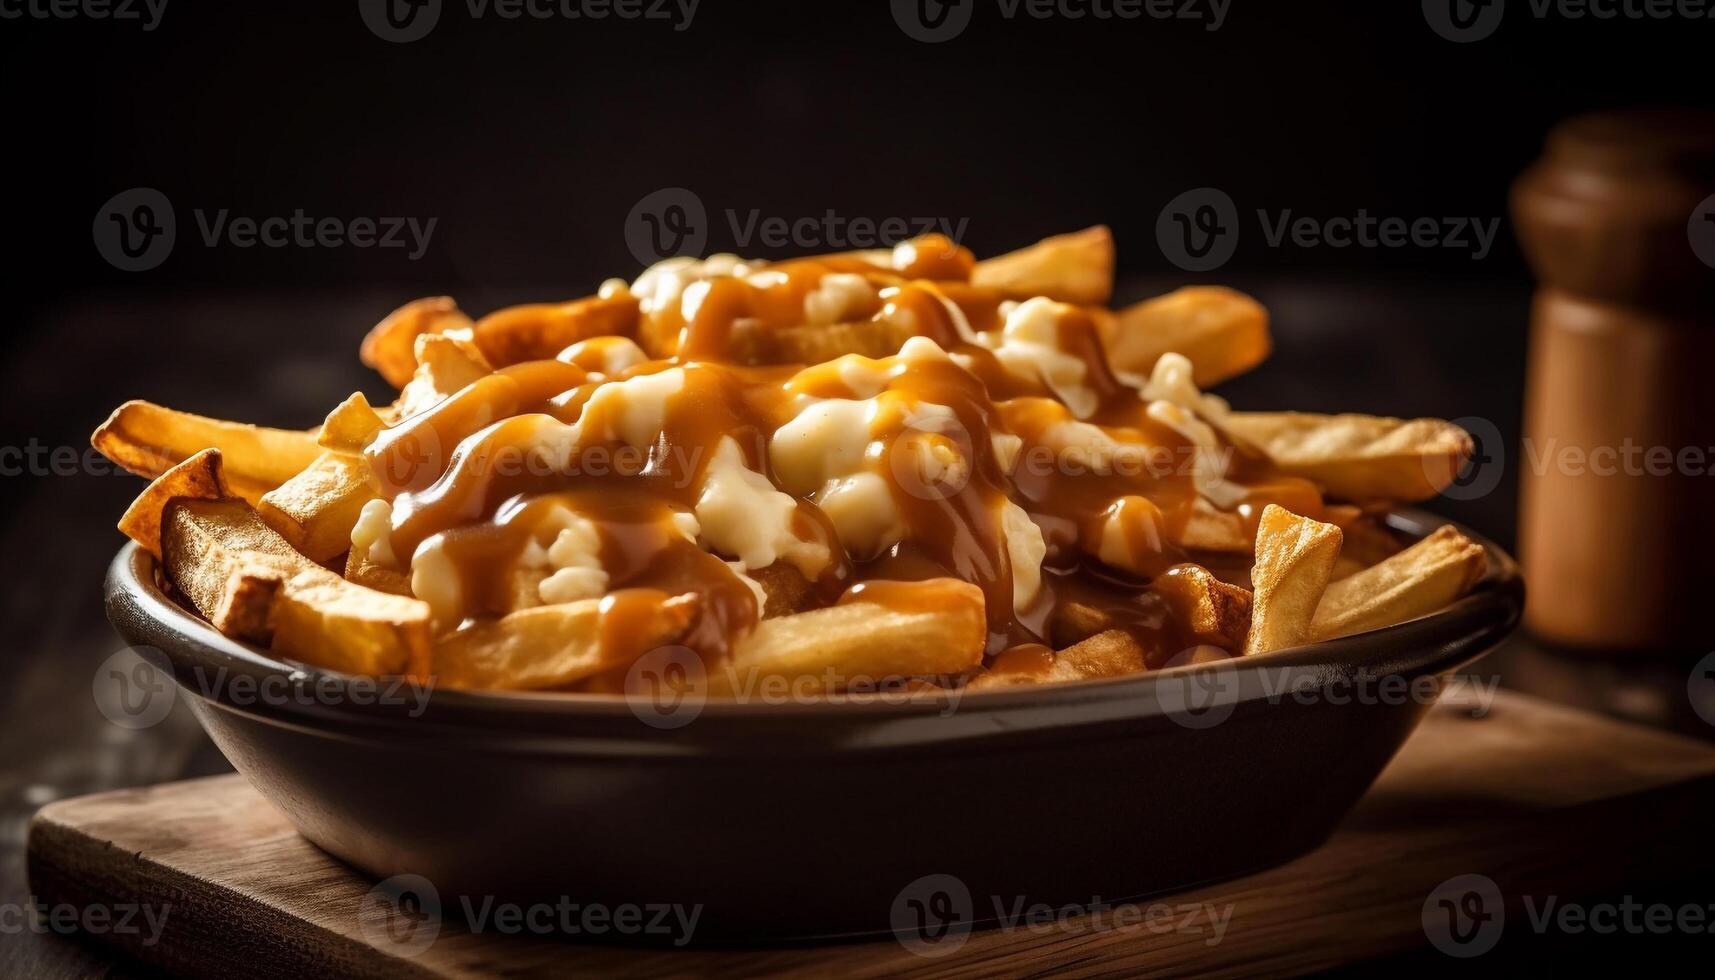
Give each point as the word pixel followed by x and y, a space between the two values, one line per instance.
pixel 899 466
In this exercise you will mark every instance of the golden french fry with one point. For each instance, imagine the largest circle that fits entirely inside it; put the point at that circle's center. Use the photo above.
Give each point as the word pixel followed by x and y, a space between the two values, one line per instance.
pixel 251 584
pixel 1072 268
pixel 1359 457
pixel 1294 559
pixel 1073 622
pixel 1109 653
pixel 1223 332
pixel 1415 582
pixel 544 647
pixel 453 361
pixel 813 345
pixel 350 426
pixel 1112 653
pixel 316 510
pixel 859 642
pixel 197 478
pixel 538 331
pixel 204 542
pixel 1213 612
pixel 1213 530
pixel 359 569
pixel 148 440
pixel 444 365
pixel 390 346
pixel 246 605
pixel 321 619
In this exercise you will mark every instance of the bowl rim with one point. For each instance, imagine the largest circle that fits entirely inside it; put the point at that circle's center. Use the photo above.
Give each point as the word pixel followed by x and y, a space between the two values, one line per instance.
pixel 1431 645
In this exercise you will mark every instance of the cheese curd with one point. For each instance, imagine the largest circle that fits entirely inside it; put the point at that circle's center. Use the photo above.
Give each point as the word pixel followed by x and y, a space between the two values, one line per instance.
pixel 1028 345
pixel 1025 549
pixel 1175 402
pixel 574 560
pixel 633 411
pixel 839 297
pixel 1131 533
pixel 604 357
pixel 1171 381
pixel 824 454
pixel 372 535
pixel 435 580
pixel 662 286
pixel 743 515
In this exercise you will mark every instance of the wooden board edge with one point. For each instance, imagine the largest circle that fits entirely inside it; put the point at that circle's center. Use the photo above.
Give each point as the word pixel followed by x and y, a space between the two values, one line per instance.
pixel 68 867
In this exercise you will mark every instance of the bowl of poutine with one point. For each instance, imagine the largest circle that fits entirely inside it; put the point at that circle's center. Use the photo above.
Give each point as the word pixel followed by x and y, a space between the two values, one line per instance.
pixel 748 579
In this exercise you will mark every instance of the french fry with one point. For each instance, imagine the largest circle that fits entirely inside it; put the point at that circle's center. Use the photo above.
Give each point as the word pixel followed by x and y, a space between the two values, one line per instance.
pixel 1074 622
pixel 858 641
pixel 544 647
pixel 1415 582
pixel 1222 331
pixel 197 478
pixel 205 542
pixel 1110 653
pixel 1359 457
pixel 538 331
pixel 1294 559
pixel 1213 530
pixel 316 510
pixel 444 365
pixel 322 619
pixel 1073 268
pixel 350 426
pixel 813 345
pixel 359 569
pixel 1213 612
pixel 148 440
pixel 246 604
pixel 390 346
pixel 251 584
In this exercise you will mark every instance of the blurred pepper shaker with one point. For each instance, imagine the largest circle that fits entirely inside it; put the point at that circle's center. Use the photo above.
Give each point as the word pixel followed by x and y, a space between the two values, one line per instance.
pixel 1617 473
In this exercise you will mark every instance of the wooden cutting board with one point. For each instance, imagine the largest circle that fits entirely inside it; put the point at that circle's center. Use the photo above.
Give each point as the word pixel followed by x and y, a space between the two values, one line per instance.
pixel 1541 799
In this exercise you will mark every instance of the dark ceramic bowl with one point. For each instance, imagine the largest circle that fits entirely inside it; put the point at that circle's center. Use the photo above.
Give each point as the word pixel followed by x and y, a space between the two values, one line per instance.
pixel 796 821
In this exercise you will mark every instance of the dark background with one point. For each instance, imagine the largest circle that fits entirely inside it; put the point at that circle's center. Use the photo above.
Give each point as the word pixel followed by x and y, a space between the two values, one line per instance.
pixel 529 142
